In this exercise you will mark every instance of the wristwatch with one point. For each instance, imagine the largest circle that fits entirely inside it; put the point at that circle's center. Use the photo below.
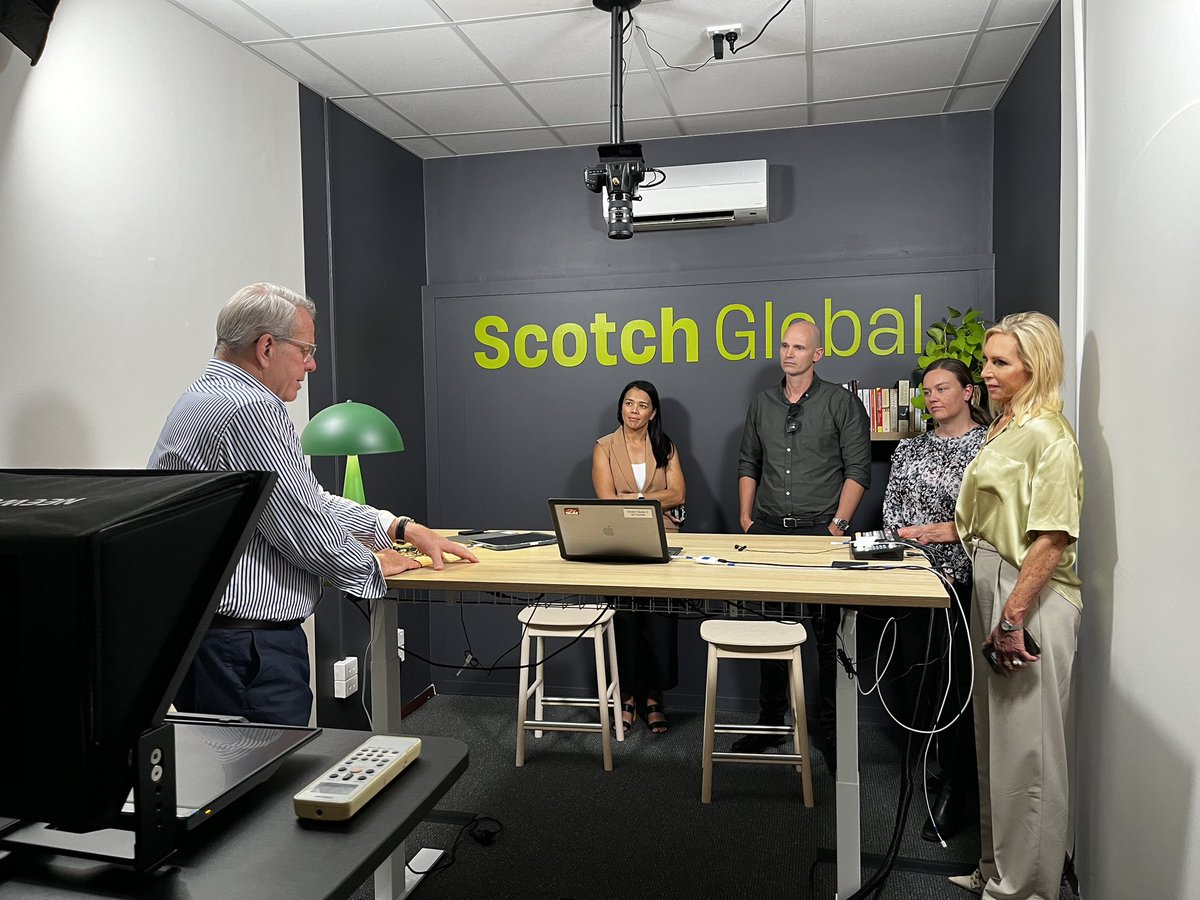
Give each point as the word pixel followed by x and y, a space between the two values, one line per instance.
pixel 843 525
pixel 1009 627
pixel 402 522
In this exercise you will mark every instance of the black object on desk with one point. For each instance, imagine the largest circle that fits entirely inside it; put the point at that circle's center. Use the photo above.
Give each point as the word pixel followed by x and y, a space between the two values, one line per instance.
pixel 257 847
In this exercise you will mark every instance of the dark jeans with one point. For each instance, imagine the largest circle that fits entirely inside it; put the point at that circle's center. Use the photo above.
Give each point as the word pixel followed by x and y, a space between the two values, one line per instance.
pixel 261 674
pixel 773 681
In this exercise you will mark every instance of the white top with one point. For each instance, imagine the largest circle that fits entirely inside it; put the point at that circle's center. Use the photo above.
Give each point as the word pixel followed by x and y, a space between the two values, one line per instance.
pixel 639 474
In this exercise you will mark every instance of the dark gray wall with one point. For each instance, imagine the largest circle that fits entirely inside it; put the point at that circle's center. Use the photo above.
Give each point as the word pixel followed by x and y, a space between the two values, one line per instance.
pixel 916 187
pixel 865 214
pixel 364 244
pixel 1027 176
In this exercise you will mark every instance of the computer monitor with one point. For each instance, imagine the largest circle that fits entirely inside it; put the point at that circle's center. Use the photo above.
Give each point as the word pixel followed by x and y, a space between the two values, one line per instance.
pixel 109 580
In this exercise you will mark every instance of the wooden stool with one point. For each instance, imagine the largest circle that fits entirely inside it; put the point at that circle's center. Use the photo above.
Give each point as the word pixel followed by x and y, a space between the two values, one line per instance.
pixel 569 622
pixel 755 639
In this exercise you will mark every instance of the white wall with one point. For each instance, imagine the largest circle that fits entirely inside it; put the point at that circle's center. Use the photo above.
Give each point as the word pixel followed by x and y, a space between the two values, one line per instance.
pixel 149 167
pixel 1139 725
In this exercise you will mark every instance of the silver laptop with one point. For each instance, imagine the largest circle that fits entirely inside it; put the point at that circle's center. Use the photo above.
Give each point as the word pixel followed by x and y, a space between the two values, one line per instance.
pixel 610 530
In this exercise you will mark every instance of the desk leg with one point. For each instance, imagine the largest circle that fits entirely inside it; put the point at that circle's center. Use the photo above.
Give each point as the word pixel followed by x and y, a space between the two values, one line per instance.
pixel 849 823
pixel 393 880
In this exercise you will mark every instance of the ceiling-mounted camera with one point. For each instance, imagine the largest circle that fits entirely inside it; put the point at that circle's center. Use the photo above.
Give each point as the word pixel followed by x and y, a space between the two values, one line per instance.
pixel 621 167
pixel 620 171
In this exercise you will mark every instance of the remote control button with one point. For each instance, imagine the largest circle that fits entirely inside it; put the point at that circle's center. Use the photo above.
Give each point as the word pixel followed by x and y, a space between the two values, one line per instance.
pixel 362 777
pixel 347 777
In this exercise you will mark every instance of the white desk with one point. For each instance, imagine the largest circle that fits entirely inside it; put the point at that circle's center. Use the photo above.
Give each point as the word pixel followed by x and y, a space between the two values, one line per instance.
pixel 541 569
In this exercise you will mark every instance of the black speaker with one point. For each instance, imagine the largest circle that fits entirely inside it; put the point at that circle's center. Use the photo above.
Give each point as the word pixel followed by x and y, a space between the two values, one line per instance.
pixel 27 23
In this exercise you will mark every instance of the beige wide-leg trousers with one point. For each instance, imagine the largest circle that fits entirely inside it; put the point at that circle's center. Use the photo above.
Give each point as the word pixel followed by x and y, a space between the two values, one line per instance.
pixel 1022 743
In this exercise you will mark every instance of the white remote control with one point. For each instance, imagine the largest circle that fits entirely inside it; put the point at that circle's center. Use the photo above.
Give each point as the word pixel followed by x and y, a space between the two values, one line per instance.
pixel 348 784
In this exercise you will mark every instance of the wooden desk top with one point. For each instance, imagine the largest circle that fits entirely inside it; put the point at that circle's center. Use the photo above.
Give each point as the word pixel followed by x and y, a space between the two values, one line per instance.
pixel 542 569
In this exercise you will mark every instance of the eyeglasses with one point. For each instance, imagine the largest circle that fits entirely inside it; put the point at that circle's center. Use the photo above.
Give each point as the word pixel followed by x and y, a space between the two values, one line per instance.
pixel 310 350
pixel 792 423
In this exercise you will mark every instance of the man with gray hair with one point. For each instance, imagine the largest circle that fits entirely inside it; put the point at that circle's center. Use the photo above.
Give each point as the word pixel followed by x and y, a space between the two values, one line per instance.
pixel 253 661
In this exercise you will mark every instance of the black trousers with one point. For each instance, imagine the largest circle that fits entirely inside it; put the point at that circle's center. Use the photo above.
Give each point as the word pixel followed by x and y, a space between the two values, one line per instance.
pixel 261 674
pixel 647 653
pixel 917 699
pixel 773 681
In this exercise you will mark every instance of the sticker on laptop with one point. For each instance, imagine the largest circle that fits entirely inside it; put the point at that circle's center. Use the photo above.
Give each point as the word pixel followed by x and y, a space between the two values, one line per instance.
pixel 638 512
pixel 570 510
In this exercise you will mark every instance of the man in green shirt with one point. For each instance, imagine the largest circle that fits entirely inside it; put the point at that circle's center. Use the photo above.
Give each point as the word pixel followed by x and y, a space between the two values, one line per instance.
pixel 804 465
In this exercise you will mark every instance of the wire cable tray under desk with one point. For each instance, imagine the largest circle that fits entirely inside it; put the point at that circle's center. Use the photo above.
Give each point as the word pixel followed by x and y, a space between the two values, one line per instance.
pixel 727 608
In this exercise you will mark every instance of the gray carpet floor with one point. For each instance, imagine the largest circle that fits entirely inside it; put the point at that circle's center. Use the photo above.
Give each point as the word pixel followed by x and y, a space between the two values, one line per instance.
pixel 575 832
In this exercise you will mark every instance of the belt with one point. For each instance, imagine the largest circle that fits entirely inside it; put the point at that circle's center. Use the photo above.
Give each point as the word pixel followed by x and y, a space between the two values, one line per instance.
pixel 797 522
pixel 222 621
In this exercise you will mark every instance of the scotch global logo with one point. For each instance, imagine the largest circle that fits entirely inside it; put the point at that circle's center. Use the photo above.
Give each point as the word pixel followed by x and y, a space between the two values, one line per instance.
pixel 738 332
pixel 43 501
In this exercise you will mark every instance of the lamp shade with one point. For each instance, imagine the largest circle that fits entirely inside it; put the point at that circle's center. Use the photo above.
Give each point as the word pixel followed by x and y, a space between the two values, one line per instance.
pixel 350 429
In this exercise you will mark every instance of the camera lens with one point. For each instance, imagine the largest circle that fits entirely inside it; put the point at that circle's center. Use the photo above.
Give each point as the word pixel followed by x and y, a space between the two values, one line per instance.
pixel 620 217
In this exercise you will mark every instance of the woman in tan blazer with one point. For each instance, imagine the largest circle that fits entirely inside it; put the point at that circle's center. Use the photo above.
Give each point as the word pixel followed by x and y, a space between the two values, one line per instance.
pixel 638 461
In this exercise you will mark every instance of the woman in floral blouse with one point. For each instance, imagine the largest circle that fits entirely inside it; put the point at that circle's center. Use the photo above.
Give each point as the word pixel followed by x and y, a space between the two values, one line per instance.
pixel 922 491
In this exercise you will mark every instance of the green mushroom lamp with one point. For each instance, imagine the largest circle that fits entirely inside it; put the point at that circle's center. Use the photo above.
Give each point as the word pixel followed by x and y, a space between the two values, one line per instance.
pixel 351 429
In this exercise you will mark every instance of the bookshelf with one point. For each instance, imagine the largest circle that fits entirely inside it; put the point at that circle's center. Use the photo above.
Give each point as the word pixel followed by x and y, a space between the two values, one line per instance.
pixel 889 410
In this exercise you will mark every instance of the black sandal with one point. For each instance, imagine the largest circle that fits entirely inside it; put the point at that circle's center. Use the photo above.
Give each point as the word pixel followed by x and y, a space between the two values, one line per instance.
pixel 662 725
pixel 632 710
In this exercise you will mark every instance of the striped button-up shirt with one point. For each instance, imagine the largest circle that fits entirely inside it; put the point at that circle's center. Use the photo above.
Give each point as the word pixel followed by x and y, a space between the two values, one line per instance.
pixel 228 421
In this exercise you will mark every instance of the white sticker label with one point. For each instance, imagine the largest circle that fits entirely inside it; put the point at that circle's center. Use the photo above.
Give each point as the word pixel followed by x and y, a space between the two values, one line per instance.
pixel 638 512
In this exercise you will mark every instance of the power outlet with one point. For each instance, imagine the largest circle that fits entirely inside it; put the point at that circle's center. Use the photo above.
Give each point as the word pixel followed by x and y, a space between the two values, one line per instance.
pixel 400 643
pixel 713 30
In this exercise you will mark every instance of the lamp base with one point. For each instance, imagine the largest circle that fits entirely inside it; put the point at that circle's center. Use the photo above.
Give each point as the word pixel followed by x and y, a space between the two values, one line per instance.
pixel 353 487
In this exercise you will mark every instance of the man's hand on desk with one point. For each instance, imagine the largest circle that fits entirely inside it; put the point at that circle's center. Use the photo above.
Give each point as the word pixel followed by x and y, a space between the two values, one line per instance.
pixel 433 545
pixel 393 562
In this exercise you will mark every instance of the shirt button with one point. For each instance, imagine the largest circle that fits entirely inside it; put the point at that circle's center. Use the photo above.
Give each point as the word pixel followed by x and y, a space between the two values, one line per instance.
pixel 787 471
pixel 787 493
pixel 789 449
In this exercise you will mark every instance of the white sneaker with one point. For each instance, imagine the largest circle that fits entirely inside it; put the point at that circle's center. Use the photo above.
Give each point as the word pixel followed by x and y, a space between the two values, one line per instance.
pixel 975 882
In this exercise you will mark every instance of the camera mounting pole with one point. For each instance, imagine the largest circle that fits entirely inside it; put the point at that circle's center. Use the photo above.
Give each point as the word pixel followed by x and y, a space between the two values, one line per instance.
pixel 617 9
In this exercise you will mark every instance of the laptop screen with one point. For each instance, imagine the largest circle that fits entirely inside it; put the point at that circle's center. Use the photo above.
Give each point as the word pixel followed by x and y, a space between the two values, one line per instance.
pixel 610 530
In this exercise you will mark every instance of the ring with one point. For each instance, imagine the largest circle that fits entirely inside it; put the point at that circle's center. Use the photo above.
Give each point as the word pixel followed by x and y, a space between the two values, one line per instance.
pixel 1018 662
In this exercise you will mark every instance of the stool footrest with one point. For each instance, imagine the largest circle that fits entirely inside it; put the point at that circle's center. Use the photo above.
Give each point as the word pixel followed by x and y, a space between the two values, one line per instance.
pixel 789 759
pixel 544 725
pixel 752 729
pixel 571 701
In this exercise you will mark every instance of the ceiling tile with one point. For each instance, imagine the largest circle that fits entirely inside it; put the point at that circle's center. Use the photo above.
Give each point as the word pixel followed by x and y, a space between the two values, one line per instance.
pixel 425 148
pixel 379 116
pixel 997 55
pixel 677 29
pixel 837 23
pixel 895 106
pixel 554 46
pixel 649 129
pixel 582 135
pixel 405 61
pixel 308 70
pixel 469 109
pixel 500 141
pixel 458 10
pixel 232 18
pixel 748 84
pixel 889 68
pixel 580 100
pixel 747 120
pixel 1019 12
pixel 976 96
pixel 305 19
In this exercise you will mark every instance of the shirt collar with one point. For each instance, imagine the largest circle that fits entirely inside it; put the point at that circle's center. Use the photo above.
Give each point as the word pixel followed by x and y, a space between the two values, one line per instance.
pixel 219 368
pixel 812 388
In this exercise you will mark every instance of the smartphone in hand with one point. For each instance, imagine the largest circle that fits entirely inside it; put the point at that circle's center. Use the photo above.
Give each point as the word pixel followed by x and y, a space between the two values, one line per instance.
pixel 993 660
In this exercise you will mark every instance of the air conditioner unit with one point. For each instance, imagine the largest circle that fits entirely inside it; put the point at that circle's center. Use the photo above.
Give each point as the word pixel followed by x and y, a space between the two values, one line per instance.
pixel 725 193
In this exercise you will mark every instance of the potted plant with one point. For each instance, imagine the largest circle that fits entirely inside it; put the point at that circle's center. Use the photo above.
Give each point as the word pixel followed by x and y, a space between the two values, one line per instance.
pixel 959 336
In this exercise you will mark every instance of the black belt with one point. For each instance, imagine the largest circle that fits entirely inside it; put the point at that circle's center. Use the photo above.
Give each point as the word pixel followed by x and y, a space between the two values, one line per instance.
pixel 796 522
pixel 221 621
